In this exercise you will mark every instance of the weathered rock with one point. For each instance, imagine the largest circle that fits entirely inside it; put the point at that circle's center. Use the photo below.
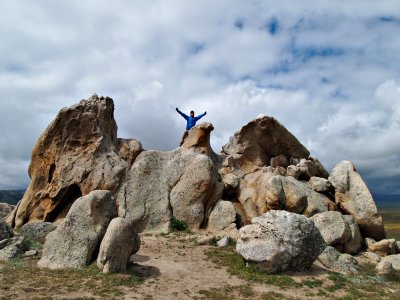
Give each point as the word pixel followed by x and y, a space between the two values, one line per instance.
pixel 338 262
pixel 129 149
pixel 382 247
pixel 280 241
pixel 198 139
pixel 320 185
pixel 74 241
pixel 295 195
pixel 5 210
pixel 259 141
pixel 371 258
pixel 279 161
pixel 389 265
pixel 6 231
pixel 76 154
pixel 354 198
pixel 355 243
pixel 183 183
pixel 222 216
pixel 207 240
pixel 118 244
pixel 293 171
pixel 333 227
pixel 37 231
pixel 30 253
pixel 12 248
pixel 307 169
pixel 224 242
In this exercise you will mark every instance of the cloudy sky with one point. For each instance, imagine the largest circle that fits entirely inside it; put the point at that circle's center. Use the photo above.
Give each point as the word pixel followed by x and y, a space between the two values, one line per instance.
pixel 327 70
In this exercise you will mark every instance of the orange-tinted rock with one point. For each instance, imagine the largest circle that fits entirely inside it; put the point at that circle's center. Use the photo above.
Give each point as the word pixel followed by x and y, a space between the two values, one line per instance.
pixel 76 154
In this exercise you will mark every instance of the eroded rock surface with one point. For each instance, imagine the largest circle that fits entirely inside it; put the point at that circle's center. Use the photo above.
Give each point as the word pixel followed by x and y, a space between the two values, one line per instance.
pixel 354 198
pixel 37 231
pixel 280 241
pixel 76 154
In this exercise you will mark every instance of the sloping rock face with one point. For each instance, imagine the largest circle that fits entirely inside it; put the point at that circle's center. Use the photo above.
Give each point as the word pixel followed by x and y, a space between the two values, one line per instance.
pixel 182 184
pixel 73 243
pixel 354 198
pixel 280 241
pixel 76 154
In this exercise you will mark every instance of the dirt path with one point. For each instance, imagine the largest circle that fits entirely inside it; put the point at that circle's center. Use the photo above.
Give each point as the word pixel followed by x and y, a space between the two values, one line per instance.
pixel 177 268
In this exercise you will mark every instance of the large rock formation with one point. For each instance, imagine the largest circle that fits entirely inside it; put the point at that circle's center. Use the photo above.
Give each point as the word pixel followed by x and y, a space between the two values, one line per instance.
pixel 263 167
pixel 37 231
pixel 354 198
pixel 76 154
pixel 75 240
pixel 280 241
pixel 181 184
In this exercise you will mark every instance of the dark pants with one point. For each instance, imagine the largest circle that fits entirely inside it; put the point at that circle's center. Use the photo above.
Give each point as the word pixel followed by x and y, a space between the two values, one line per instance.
pixel 185 134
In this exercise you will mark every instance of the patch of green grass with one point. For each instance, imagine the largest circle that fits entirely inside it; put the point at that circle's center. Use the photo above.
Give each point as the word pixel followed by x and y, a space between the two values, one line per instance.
pixel 237 266
pixel 179 225
pixel 32 245
pixel 227 292
pixel 339 282
pixel 312 283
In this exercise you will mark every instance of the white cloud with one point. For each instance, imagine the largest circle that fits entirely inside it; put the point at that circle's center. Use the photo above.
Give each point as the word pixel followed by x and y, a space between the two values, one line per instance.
pixel 328 73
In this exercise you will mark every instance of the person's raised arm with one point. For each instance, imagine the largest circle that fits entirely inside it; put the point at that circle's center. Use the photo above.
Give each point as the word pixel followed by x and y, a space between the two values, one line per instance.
pixel 182 114
pixel 200 116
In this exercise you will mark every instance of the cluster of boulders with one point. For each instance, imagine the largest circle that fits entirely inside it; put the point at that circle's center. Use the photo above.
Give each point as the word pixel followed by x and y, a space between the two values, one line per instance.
pixel 263 189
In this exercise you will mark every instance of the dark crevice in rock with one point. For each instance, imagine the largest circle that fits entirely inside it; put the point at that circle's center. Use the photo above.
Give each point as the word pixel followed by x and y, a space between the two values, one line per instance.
pixel 51 172
pixel 63 202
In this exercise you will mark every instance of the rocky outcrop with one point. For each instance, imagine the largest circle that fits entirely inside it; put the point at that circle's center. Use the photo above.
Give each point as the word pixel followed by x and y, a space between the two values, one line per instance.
pixel 5 210
pixel 76 154
pixel 182 184
pixel 354 198
pixel 258 142
pixel 6 231
pixel 118 244
pixel 74 241
pixel 280 241
pixel 37 231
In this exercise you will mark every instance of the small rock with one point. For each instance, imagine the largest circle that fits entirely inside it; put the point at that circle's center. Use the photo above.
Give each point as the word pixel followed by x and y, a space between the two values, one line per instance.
pixel 338 262
pixel 223 242
pixel 320 185
pixel 30 253
pixel 5 210
pixel 388 265
pixel 371 257
pixel 383 247
pixel 12 248
pixel 207 240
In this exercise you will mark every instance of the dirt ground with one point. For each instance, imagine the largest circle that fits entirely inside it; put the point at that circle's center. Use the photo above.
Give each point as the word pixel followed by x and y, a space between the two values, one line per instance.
pixel 172 266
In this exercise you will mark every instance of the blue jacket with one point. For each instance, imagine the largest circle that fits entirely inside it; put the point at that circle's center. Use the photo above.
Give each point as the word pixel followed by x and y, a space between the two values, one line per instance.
pixel 190 121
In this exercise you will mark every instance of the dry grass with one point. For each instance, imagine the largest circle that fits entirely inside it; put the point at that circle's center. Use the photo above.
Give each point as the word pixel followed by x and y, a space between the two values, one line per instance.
pixel 22 279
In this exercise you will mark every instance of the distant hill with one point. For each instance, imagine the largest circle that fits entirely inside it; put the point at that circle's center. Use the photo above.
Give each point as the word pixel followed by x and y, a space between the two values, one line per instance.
pixel 11 196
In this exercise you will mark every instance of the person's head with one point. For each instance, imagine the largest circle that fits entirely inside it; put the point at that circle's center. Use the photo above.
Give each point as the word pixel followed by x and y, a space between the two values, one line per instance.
pixel 192 113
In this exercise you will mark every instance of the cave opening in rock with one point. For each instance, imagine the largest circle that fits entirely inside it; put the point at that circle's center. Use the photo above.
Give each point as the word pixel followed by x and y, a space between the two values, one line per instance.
pixel 63 202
